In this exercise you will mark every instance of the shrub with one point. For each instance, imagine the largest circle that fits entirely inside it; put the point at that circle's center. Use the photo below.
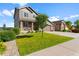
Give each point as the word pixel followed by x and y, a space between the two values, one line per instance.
pixel 24 36
pixel 2 47
pixel 7 28
pixel 0 40
pixel 65 30
pixel 16 30
pixel 75 30
pixel 7 35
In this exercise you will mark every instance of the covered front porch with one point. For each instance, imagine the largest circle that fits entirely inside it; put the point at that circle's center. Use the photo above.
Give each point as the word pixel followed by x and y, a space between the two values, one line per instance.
pixel 26 26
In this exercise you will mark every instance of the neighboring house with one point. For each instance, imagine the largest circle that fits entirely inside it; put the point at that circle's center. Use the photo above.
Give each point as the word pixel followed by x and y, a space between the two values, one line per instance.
pixel 49 27
pixel 73 27
pixel 59 25
pixel 24 18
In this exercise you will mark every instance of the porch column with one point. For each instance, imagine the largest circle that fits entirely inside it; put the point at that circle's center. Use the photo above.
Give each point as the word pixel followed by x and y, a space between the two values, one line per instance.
pixel 21 25
pixel 32 26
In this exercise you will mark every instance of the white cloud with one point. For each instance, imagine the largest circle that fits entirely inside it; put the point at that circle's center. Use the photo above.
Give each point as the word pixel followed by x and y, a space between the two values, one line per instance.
pixel 12 11
pixel 70 17
pixel 22 4
pixel 6 12
pixel 10 24
pixel 0 14
pixel 54 18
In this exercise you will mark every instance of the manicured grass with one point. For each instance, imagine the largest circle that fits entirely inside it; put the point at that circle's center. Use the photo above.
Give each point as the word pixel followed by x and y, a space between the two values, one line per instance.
pixel 36 42
pixel 2 48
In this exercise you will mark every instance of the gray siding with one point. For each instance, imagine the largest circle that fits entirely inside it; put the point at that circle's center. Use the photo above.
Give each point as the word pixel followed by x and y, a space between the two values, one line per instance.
pixel 30 15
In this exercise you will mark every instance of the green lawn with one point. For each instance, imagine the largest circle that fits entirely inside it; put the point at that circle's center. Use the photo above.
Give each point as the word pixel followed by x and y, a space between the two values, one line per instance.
pixel 2 48
pixel 36 42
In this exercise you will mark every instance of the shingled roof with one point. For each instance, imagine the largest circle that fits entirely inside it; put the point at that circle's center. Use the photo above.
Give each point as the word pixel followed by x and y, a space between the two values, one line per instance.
pixel 30 9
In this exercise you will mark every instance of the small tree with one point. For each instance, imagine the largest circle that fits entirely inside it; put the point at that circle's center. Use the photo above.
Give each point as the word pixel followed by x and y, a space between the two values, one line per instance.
pixel 36 28
pixel 77 24
pixel 4 26
pixel 69 24
pixel 41 20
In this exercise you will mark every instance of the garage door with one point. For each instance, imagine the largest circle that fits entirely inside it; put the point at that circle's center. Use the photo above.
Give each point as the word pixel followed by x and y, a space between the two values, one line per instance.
pixel 47 28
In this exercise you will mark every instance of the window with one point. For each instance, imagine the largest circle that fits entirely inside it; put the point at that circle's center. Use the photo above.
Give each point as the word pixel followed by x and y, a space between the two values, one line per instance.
pixel 25 14
pixel 25 24
pixel 33 16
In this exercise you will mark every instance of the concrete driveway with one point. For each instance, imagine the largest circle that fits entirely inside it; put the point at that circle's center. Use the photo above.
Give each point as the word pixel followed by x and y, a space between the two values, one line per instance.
pixel 70 48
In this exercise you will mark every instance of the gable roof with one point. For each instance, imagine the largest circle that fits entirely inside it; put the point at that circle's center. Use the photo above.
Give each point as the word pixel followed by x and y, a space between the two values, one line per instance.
pixel 58 21
pixel 29 9
pixel 49 22
pixel 33 10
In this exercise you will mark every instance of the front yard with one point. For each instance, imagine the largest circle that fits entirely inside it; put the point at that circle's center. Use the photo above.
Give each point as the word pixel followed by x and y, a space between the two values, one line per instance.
pixel 35 42
pixel 2 48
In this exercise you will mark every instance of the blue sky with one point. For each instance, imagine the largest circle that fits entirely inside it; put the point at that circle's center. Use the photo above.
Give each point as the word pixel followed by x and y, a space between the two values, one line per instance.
pixel 55 11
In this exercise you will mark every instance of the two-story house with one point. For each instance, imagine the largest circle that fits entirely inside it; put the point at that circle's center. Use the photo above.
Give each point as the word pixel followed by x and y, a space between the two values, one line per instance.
pixel 24 18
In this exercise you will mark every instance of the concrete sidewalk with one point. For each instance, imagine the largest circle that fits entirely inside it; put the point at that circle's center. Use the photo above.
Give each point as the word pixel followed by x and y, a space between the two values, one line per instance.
pixel 70 48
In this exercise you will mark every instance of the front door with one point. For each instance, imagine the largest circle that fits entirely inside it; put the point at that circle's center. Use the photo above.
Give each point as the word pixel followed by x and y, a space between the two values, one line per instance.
pixel 27 25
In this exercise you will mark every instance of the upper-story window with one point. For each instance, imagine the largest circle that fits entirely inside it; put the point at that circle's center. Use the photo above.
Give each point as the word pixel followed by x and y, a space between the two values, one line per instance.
pixel 25 14
pixel 33 16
